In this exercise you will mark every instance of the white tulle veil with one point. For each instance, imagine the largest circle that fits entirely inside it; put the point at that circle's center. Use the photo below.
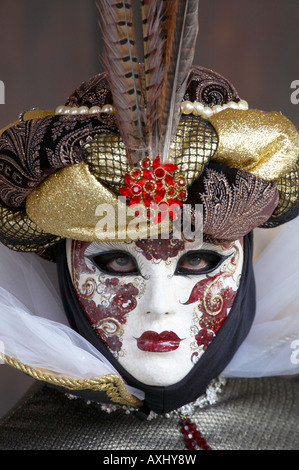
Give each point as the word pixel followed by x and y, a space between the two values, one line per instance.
pixel 34 328
pixel 272 345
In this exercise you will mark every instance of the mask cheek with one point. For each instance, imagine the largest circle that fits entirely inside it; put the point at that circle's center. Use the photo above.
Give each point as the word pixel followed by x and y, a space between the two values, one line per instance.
pixel 107 307
pixel 213 298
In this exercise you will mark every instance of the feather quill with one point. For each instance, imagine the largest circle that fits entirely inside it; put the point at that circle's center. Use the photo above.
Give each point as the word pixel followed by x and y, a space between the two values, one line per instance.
pixel 121 65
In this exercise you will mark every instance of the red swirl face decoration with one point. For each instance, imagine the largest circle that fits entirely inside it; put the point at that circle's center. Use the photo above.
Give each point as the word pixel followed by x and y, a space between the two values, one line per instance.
pixel 106 301
pixel 156 186
pixel 214 300
pixel 156 304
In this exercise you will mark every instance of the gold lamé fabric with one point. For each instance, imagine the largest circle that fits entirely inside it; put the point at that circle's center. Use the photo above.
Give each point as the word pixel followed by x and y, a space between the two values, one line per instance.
pixel 72 202
pixel 288 205
pixel 264 144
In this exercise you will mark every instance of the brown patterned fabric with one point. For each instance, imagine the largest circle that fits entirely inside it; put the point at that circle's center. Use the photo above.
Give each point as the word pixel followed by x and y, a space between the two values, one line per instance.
pixel 93 92
pixel 234 201
pixel 205 86
pixel 32 150
pixel 210 88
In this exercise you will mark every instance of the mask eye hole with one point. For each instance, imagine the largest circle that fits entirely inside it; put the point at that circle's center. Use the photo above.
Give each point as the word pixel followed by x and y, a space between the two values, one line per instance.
pixel 120 263
pixel 199 262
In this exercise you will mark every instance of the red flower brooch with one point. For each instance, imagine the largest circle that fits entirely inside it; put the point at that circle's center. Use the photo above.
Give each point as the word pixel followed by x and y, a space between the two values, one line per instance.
pixel 156 186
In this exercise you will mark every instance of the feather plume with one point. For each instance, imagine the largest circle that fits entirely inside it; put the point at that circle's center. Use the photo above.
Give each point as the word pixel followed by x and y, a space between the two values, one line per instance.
pixel 169 29
pixel 152 13
pixel 182 28
pixel 170 15
pixel 121 65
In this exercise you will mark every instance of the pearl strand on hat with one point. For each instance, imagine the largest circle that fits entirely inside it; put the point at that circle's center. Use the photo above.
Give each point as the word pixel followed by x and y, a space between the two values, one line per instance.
pixel 198 109
pixel 187 107
pixel 71 110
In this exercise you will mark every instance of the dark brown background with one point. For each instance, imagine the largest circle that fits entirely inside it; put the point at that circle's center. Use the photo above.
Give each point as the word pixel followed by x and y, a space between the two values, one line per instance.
pixel 48 47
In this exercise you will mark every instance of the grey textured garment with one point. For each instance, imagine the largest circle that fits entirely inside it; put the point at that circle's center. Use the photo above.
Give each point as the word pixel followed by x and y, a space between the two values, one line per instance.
pixel 250 414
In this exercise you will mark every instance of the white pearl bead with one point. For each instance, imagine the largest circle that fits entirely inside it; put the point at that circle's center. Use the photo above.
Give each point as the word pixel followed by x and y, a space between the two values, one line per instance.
pixel 94 110
pixel 243 104
pixel 74 110
pixel 207 112
pixel 217 108
pixel 83 110
pixel 233 105
pixel 198 108
pixel 187 107
pixel 59 109
pixel 66 110
pixel 107 108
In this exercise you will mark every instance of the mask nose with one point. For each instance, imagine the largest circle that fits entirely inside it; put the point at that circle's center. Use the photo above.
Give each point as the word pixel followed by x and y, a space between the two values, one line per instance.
pixel 161 299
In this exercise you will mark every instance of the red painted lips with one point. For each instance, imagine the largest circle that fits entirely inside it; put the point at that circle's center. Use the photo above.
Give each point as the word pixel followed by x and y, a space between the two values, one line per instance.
pixel 158 342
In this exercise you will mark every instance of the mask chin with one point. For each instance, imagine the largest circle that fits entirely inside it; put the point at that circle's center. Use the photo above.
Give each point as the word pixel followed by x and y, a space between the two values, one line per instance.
pixel 165 398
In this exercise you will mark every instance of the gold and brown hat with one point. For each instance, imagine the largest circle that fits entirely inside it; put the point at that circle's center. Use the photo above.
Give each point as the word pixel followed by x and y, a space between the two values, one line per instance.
pixel 155 133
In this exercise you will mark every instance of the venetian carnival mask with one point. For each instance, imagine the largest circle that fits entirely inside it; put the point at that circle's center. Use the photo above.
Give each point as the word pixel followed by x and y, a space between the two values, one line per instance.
pixel 156 304
pixel 167 315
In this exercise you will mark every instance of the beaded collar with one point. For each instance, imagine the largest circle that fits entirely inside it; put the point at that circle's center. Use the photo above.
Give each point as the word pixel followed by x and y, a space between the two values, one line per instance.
pixel 191 435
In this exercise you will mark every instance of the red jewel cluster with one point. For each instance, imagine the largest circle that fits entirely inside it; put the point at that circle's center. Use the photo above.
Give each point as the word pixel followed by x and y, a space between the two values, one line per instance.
pixel 156 187
pixel 204 338
pixel 192 436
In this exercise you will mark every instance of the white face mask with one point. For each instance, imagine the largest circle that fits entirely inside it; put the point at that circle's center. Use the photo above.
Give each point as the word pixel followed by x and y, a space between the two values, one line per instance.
pixel 156 304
